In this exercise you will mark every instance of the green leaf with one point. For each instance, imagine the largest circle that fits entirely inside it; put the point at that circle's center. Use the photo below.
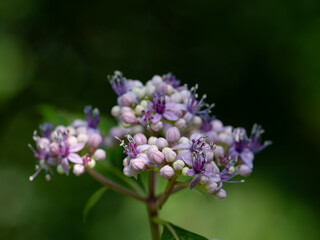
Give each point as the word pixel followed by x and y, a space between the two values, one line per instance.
pixel 92 201
pixel 172 232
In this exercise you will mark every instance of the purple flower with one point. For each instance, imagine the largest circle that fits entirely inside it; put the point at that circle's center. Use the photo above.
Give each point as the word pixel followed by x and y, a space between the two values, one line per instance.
pixel 92 120
pixel 162 109
pixel 255 139
pixel 200 167
pixel 245 147
pixel 92 116
pixel 132 149
pixel 68 152
pixel 42 153
pixel 118 83
pixel 194 145
pixel 195 106
pixel 169 78
pixel 46 130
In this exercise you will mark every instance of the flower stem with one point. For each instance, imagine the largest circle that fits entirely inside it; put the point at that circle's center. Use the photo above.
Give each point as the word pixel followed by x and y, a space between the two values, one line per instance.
pixel 107 182
pixel 166 194
pixel 153 212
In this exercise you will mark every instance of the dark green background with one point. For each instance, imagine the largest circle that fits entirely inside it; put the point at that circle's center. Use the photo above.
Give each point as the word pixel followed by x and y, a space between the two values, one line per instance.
pixel 259 61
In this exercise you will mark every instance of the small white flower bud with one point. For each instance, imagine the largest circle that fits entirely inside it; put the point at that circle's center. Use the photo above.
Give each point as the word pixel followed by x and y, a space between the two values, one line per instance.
pixel 60 169
pixel 226 139
pixel 141 93
pixel 127 99
pixel 211 187
pixel 137 164
pixel 156 79
pixel 72 140
pixel 71 131
pixel 167 172
pixel 157 126
pixel 92 163
pixel 173 134
pixel 217 125
pixel 152 141
pixel 82 138
pixel 139 109
pixel 116 111
pixel 81 130
pixel 219 151
pixel 127 171
pixel 150 89
pixel 161 143
pixel 157 157
pixel 181 123
pixel 95 140
pixel 178 165
pixel 184 140
pixel 144 103
pixel 176 97
pixel 197 120
pixel 185 171
pixel 48 177
pixel 169 154
pixel 125 162
pixel 244 170
pixel 169 89
pixel 140 139
pixel 210 156
pixel 99 154
pixel 78 169
pixel 125 109
pixel 221 194
pixel 204 179
pixel 129 118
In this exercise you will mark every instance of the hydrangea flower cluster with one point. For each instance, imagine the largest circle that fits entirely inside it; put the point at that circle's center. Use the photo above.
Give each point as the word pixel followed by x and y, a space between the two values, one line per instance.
pixel 166 128
pixel 68 147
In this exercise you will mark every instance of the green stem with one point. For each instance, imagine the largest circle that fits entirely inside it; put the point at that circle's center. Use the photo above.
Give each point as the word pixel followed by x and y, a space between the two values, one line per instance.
pixel 153 212
pixel 114 186
pixel 166 194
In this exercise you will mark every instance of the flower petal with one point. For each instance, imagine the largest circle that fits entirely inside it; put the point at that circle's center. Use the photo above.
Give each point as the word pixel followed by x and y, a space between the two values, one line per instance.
pixel 65 165
pixel 143 148
pixel 182 146
pixel 76 147
pixel 170 116
pixel 194 182
pixel 247 157
pixel 186 157
pixel 156 118
pixel 75 158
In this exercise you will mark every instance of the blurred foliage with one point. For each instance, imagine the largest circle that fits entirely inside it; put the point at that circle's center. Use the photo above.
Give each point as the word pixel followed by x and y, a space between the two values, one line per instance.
pixel 258 61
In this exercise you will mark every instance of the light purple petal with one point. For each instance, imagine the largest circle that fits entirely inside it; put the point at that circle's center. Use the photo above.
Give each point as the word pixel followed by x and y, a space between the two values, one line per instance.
pixel 79 123
pixel 182 146
pixel 53 161
pixel 176 106
pixel 194 182
pixel 65 165
pixel 190 172
pixel 76 147
pixel 143 148
pixel 75 158
pixel 247 157
pixel 151 106
pixel 156 118
pixel 187 117
pixel 186 157
pixel 170 116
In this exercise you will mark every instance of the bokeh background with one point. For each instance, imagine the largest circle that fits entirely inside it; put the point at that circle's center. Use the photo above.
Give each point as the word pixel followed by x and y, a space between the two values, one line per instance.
pixel 259 61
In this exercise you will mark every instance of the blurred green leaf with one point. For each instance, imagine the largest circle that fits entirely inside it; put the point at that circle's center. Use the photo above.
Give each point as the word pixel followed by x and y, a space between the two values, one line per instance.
pixel 54 115
pixel 92 201
pixel 172 232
